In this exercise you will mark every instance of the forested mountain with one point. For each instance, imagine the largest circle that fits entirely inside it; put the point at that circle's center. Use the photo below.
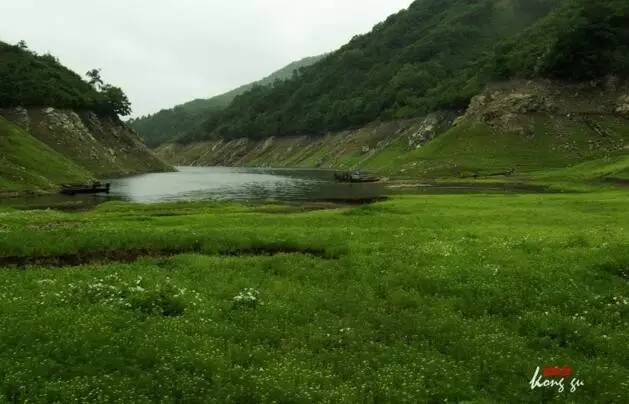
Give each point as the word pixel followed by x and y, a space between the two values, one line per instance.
pixel 31 80
pixel 167 124
pixel 435 55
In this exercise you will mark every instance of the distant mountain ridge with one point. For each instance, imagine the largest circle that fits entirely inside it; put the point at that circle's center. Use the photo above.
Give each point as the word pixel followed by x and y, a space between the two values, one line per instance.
pixel 168 124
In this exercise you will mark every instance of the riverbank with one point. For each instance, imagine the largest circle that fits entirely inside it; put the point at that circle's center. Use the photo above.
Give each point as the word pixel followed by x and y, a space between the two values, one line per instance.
pixel 463 300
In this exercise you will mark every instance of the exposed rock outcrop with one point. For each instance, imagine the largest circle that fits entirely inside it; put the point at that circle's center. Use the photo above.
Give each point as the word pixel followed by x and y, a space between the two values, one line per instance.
pixel 623 105
pixel 507 106
pixel 103 145
pixel 428 128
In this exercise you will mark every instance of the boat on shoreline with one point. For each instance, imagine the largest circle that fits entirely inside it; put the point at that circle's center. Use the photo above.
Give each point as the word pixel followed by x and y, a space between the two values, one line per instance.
pixel 355 177
pixel 94 188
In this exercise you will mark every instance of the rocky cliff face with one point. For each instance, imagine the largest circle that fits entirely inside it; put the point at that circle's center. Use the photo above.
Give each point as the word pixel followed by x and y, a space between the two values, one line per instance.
pixel 104 146
pixel 507 106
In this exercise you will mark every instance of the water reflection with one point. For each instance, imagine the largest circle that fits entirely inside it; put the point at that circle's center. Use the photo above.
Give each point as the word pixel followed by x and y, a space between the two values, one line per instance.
pixel 241 184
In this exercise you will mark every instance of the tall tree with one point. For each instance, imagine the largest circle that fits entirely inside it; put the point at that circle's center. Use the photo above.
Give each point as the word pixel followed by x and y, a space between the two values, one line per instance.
pixel 95 79
pixel 116 100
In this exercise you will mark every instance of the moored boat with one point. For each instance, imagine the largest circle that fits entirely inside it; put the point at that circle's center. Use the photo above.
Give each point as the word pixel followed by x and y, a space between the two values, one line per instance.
pixel 94 188
pixel 355 177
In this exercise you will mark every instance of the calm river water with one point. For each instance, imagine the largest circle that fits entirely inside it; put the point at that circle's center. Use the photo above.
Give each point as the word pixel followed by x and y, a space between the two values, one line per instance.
pixel 239 184
pixel 230 184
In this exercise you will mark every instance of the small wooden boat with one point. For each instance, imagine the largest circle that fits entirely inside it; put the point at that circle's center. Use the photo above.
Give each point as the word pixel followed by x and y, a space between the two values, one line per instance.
pixel 94 188
pixel 354 177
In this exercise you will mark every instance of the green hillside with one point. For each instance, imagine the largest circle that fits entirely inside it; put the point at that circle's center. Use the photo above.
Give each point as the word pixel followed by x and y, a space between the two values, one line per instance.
pixel 31 80
pixel 168 124
pixel 476 150
pixel 435 55
pixel 26 163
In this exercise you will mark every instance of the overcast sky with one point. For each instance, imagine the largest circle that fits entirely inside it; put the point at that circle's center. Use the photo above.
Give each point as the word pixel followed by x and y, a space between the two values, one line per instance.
pixel 166 52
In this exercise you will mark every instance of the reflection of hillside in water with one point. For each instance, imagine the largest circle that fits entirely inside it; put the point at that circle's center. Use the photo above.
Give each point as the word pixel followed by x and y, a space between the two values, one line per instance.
pixel 240 184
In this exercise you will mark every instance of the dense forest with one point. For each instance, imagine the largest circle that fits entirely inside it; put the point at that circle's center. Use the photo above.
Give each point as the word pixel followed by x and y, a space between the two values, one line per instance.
pixel 435 55
pixel 168 124
pixel 31 80
pixel 582 40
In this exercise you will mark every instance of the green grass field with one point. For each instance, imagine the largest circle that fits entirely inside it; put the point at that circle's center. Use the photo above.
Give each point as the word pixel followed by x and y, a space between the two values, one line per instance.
pixel 416 299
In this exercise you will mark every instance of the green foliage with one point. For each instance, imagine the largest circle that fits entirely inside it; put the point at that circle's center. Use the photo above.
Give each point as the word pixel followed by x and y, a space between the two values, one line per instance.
pixel 138 296
pixel 27 79
pixel 95 78
pixel 115 100
pixel 166 125
pixel 163 301
pixel 580 41
pixel 461 301
pixel 31 80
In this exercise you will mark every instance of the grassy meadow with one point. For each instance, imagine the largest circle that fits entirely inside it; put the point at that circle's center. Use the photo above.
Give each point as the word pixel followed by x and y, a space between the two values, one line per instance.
pixel 435 298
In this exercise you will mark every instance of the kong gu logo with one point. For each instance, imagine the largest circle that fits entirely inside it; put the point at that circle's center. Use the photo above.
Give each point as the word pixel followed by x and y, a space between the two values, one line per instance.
pixel 555 378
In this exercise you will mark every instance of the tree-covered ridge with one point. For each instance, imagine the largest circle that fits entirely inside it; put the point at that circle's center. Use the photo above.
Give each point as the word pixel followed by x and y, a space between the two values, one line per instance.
pixel 580 41
pixel 435 55
pixel 31 80
pixel 166 125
